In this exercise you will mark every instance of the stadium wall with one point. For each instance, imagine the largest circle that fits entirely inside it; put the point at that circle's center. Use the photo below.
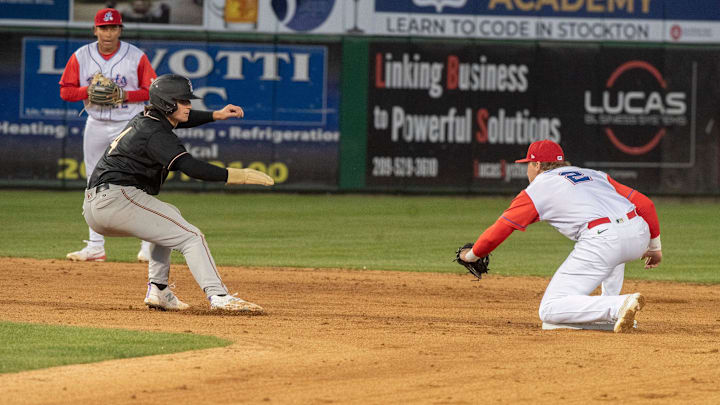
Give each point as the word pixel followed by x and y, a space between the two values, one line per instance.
pixel 390 113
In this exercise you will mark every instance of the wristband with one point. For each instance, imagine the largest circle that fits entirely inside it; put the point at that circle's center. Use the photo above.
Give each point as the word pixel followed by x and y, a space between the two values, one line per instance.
pixel 470 256
pixel 655 244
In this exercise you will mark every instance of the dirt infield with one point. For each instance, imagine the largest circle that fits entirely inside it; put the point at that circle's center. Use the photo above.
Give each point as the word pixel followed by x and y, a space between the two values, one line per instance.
pixel 338 336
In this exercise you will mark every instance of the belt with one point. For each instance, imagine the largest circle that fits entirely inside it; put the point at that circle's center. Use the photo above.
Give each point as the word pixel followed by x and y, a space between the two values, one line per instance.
pixel 592 224
pixel 102 187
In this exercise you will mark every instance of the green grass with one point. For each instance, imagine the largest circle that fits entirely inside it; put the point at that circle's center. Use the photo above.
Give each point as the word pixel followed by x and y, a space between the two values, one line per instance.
pixel 414 233
pixel 30 346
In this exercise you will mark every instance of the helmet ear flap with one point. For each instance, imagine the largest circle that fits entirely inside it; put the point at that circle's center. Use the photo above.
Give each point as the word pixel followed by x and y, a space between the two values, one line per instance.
pixel 168 107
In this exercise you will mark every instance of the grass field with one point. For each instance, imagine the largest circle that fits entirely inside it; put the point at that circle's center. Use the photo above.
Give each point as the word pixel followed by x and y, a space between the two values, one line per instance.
pixel 29 346
pixel 413 233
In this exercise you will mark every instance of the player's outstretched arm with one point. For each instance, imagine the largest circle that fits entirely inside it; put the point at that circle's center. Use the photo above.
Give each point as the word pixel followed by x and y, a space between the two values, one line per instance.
pixel 518 216
pixel 198 169
pixel 200 117
pixel 487 242
pixel 229 111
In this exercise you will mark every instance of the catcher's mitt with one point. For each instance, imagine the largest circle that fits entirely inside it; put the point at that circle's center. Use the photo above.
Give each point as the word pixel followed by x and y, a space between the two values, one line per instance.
pixel 104 91
pixel 475 268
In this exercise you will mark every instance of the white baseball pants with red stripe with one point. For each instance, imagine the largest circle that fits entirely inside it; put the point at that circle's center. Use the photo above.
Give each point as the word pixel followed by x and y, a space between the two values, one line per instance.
pixel 598 258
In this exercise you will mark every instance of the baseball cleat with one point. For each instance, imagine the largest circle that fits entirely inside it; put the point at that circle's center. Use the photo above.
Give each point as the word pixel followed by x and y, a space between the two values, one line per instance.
pixel 164 300
pixel 626 316
pixel 233 303
pixel 88 254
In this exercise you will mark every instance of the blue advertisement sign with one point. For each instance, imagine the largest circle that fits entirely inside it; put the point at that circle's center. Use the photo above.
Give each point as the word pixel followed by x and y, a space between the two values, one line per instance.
pixel 35 10
pixel 278 84
pixel 289 93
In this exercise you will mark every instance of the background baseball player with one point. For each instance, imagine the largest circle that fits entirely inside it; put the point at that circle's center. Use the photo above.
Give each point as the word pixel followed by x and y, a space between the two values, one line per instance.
pixel 119 200
pixel 611 224
pixel 130 69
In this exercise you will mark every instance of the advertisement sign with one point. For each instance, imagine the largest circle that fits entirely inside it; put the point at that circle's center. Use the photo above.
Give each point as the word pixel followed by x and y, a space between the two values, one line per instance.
pixel 450 115
pixel 438 112
pixel 289 94
pixel 672 21
pixel 527 20
pixel 636 108
pixel 289 78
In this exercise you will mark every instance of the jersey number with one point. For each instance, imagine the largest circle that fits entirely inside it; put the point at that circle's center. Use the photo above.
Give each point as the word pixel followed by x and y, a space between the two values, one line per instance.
pixel 575 177
pixel 115 141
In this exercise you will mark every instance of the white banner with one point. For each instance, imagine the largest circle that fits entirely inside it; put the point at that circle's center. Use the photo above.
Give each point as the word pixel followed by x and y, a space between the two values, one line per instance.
pixel 622 21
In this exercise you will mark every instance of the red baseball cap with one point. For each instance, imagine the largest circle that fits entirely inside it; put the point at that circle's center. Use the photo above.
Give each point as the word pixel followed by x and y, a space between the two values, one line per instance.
pixel 543 151
pixel 108 16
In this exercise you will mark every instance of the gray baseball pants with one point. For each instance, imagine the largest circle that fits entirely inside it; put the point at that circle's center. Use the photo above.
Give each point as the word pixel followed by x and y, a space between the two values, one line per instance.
pixel 128 211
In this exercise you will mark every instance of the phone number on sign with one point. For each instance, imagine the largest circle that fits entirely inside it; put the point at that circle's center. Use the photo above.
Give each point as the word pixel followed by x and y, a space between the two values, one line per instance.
pixel 386 166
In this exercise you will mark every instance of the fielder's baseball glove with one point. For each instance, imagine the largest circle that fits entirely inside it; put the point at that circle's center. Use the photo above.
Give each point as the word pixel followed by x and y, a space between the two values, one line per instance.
pixel 475 268
pixel 104 91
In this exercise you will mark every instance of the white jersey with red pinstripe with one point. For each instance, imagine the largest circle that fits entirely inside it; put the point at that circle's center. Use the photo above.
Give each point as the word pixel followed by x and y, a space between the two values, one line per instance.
pixel 122 68
pixel 569 197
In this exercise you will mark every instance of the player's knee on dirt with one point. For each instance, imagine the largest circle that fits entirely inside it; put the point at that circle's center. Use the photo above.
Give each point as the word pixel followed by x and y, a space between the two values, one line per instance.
pixel 545 311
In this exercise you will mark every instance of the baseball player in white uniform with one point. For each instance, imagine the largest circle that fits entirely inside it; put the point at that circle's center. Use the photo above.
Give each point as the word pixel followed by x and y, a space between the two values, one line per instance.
pixel 131 70
pixel 611 224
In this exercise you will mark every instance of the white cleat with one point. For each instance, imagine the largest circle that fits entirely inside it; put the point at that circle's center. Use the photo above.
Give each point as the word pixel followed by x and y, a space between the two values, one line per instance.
pixel 164 300
pixel 626 316
pixel 88 254
pixel 232 303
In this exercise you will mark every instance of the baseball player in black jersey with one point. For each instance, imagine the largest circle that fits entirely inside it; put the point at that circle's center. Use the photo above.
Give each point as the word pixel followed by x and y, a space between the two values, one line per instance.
pixel 120 198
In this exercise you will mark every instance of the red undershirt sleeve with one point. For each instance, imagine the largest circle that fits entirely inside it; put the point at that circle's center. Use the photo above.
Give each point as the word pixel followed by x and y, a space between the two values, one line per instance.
pixel 643 205
pixel 70 89
pixel 519 215
pixel 146 74
pixel 73 93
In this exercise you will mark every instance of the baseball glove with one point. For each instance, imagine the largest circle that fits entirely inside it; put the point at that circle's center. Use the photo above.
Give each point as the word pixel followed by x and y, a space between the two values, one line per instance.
pixel 104 91
pixel 475 268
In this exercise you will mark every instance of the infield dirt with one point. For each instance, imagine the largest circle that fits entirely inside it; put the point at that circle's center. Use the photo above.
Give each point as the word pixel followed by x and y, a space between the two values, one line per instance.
pixel 340 336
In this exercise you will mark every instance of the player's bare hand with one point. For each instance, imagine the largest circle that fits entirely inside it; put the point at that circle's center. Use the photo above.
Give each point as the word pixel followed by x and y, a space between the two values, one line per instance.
pixel 463 255
pixel 652 258
pixel 229 111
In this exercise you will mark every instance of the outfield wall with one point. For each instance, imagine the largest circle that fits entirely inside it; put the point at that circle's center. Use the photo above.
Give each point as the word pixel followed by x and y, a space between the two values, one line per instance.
pixel 372 113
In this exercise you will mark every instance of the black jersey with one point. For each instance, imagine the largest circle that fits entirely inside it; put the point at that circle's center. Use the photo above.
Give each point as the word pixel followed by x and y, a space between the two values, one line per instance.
pixel 144 152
